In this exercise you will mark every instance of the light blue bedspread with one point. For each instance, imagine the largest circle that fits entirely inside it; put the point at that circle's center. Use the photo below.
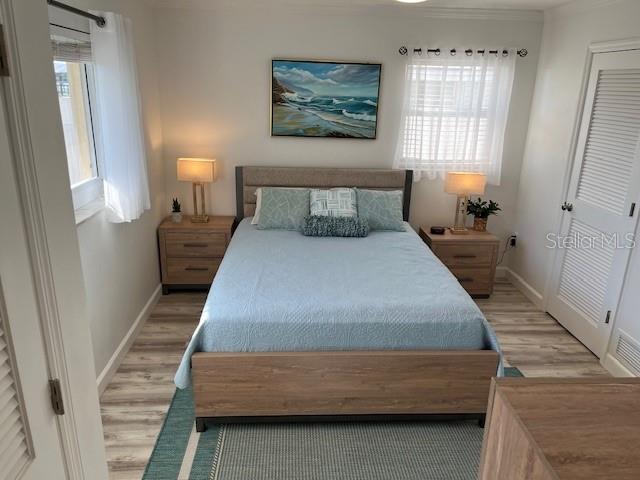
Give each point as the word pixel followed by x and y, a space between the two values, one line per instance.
pixel 281 291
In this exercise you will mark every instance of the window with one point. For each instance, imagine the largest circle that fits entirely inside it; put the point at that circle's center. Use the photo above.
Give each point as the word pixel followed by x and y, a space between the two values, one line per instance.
pixel 74 76
pixel 455 112
pixel 103 128
pixel 74 98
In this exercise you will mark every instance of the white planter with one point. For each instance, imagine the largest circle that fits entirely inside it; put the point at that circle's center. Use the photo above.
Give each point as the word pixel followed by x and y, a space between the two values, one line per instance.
pixel 176 217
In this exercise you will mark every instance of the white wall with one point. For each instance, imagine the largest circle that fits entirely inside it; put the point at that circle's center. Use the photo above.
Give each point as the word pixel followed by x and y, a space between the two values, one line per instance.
pixel 120 261
pixel 567 33
pixel 215 90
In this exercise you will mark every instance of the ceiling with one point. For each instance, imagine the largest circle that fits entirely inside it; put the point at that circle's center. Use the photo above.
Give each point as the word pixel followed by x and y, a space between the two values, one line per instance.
pixel 513 4
pixel 477 4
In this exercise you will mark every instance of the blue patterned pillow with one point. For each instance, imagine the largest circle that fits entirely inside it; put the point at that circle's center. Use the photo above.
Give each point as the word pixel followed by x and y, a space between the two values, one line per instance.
pixel 382 209
pixel 283 208
pixel 325 226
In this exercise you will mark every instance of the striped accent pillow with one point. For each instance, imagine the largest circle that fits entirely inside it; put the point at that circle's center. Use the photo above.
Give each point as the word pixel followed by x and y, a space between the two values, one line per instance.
pixel 337 202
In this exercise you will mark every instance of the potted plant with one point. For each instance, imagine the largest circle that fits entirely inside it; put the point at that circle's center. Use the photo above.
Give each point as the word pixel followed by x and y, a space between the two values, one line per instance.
pixel 481 209
pixel 176 211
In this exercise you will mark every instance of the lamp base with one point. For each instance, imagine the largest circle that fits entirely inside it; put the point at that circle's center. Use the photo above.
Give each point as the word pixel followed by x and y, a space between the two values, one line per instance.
pixel 198 214
pixel 458 230
pixel 461 213
pixel 199 218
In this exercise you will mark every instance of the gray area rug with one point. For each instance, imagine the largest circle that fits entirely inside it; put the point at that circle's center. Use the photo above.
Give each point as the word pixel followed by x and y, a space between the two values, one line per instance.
pixel 349 451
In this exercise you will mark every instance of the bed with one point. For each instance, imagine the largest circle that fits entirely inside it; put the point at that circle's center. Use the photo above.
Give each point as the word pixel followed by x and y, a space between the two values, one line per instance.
pixel 335 327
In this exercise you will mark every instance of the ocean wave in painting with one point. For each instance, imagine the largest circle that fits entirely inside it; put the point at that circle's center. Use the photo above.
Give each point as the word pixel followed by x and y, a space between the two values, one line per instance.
pixel 355 116
pixel 357 108
pixel 359 116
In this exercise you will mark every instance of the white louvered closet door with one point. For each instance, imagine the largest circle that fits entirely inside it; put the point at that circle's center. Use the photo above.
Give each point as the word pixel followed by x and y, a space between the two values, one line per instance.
pixel 15 450
pixel 29 438
pixel 600 210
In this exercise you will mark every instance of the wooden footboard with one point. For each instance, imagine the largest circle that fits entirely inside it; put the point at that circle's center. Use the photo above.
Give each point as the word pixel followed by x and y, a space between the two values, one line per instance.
pixel 390 382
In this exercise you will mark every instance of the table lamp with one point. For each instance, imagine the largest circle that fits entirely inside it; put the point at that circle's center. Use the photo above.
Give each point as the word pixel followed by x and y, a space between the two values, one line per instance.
pixel 463 184
pixel 198 171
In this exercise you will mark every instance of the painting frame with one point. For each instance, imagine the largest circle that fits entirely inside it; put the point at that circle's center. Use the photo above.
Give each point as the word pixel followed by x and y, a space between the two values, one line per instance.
pixel 273 121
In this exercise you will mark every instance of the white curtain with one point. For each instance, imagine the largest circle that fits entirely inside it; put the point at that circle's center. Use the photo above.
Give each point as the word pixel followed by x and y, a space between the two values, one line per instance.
pixel 455 112
pixel 121 139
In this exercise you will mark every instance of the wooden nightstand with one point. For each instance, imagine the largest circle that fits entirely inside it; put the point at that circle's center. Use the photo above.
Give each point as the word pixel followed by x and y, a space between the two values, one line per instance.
pixel 471 258
pixel 190 253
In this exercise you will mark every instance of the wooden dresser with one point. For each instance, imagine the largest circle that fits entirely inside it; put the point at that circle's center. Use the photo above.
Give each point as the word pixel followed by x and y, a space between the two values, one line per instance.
pixel 190 253
pixel 561 429
pixel 471 258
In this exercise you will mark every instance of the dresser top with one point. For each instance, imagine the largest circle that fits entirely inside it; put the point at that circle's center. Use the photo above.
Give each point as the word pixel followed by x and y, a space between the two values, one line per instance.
pixel 216 222
pixel 584 428
pixel 447 237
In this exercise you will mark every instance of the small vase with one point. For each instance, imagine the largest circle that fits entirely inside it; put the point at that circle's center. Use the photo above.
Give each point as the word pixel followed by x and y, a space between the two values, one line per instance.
pixel 176 217
pixel 480 224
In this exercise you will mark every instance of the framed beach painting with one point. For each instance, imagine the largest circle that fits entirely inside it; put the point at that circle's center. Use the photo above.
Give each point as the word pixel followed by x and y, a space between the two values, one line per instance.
pixel 324 99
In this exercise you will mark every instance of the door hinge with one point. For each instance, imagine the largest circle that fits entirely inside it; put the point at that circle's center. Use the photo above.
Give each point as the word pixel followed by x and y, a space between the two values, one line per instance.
pixel 608 317
pixel 57 403
pixel 632 210
pixel 4 61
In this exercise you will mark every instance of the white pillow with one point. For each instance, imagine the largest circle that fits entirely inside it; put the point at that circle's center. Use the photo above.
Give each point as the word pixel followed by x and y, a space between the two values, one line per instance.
pixel 337 202
pixel 256 216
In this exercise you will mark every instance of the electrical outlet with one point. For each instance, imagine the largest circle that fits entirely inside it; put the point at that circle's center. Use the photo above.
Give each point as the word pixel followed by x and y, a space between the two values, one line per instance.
pixel 513 239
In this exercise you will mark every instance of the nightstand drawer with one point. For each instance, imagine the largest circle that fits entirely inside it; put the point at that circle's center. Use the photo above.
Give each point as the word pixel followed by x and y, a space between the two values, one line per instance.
pixel 474 280
pixel 462 255
pixel 182 244
pixel 192 271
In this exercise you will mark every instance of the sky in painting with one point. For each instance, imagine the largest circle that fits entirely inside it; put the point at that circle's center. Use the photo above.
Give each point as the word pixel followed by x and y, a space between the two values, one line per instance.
pixel 337 79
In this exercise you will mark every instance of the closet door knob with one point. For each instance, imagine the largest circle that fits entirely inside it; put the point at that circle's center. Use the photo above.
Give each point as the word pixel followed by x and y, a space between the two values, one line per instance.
pixel 568 207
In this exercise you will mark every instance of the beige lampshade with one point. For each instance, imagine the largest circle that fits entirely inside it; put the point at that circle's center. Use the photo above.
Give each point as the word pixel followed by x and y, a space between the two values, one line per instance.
pixel 197 170
pixel 465 183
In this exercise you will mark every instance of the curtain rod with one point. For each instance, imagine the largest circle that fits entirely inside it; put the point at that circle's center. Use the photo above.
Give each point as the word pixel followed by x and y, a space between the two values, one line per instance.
pixel 100 21
pixel 522 52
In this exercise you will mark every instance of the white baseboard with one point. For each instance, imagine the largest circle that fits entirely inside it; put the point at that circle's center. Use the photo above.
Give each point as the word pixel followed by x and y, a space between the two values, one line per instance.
pixel 114 362
pixel 501 272
pixel 614 367
pixel 527 290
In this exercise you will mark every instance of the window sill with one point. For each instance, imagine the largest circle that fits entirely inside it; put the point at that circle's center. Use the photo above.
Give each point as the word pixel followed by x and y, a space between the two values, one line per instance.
pixel 89 210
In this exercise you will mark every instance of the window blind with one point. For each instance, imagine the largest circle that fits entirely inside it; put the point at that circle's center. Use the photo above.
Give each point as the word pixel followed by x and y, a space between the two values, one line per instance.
pixel 14 447
pixel 448 118
pixel 67 51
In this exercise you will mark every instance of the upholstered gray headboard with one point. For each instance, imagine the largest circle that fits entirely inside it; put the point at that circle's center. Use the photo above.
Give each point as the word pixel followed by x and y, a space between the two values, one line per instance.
pixel 249 179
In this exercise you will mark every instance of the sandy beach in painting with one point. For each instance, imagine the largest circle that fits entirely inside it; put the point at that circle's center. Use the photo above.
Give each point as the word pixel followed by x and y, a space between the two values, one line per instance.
pixel 291 119
pixel 317 99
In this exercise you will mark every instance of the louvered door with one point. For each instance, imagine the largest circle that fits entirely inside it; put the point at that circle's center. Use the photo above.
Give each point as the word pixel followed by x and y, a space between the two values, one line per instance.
pixel 29 437
pixel 15 450
pixel 600 214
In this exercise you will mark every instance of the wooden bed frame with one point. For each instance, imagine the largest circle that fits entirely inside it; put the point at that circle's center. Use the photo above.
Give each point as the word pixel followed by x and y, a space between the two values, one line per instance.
pixel 318 385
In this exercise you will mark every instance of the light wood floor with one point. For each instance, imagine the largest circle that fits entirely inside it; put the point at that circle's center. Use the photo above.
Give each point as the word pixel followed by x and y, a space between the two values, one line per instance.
pixel 135 402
